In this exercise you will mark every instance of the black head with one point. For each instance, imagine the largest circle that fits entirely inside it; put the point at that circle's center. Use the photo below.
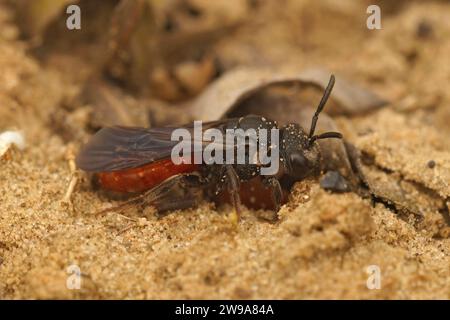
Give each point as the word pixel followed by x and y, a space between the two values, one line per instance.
pixel 301 152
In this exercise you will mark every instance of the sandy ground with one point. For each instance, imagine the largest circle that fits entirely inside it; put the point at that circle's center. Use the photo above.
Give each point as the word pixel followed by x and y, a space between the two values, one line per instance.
pixel 323 243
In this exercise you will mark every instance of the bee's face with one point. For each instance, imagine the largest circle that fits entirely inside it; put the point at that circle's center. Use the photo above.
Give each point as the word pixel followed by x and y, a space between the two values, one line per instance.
pixel 301 158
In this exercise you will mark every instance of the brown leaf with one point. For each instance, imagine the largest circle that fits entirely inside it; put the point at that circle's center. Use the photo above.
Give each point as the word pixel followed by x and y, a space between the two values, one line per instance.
pixel 111 106
pixel 225 96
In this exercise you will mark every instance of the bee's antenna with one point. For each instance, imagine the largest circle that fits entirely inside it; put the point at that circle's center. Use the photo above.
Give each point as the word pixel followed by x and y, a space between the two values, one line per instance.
pixel 325 135
pixel 322 103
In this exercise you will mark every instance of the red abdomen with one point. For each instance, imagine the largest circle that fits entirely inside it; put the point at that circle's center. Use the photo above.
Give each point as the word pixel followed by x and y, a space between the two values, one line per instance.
pixel 142 178
pixel 254 195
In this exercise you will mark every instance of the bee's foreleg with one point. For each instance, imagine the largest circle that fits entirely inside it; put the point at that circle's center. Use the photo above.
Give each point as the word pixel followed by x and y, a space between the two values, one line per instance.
pixel 276 191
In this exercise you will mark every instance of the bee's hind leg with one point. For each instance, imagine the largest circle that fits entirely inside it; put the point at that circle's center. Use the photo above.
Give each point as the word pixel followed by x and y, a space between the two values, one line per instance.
pixel 181 191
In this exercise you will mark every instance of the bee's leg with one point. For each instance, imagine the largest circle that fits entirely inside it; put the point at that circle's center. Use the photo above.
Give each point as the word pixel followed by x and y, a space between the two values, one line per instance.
pixel 136 201
pixel 178 192
pixel 354 157
pixel 233 188
pixel 277 192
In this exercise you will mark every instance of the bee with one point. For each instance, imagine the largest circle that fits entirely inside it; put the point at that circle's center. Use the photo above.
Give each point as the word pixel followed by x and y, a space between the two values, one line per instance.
pixel 140 160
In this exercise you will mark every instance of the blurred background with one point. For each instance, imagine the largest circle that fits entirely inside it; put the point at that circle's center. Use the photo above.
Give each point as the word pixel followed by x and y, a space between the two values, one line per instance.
pixel 142 55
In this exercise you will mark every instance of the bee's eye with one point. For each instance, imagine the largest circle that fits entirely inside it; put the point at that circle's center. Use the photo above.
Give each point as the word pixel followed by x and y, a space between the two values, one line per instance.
pixel 298 160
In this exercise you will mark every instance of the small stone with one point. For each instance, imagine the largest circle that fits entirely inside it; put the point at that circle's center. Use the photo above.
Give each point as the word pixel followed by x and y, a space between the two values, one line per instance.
pixel 334 181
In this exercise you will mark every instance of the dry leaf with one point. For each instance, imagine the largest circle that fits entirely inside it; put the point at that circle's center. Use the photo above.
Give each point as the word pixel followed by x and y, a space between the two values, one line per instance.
pixel 34 16
pixel 225 95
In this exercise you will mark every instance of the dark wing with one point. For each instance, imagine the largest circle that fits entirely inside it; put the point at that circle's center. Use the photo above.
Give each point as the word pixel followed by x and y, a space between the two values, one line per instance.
pixel 118 148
